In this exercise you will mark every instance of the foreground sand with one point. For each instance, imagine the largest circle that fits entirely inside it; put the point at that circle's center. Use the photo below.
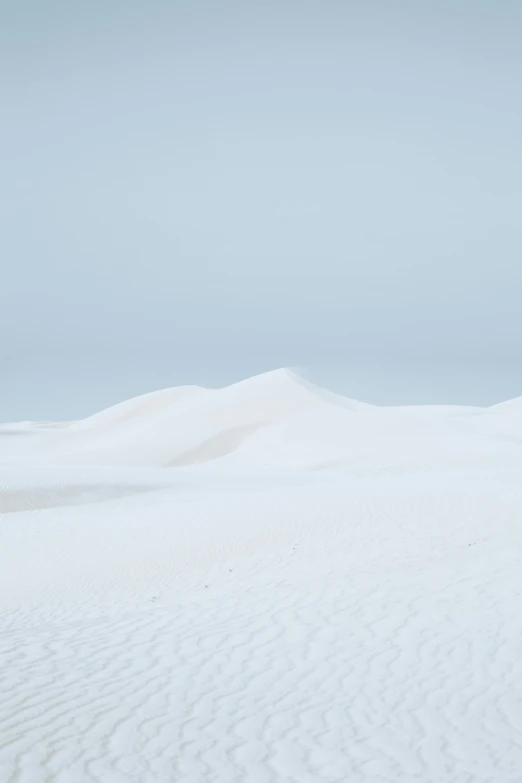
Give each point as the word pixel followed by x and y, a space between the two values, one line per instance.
pixel 262 583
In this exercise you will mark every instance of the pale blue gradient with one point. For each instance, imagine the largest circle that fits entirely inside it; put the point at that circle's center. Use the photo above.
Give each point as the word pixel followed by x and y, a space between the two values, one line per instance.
pixel 195 192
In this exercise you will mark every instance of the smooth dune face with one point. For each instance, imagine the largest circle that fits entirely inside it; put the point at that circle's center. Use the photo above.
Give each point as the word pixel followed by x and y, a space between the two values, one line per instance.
pixel 266 582
pixel 139 408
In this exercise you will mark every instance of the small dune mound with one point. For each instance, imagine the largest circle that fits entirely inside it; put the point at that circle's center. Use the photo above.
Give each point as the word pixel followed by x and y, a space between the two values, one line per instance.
pixel 513 406
pixel 502 421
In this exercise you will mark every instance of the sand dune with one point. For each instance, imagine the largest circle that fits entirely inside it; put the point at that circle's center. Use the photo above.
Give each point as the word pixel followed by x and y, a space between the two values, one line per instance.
pixel 171 426
pixel 266 582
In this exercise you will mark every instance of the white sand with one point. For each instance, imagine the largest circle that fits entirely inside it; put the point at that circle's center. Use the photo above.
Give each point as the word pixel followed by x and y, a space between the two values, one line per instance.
pixel 262 583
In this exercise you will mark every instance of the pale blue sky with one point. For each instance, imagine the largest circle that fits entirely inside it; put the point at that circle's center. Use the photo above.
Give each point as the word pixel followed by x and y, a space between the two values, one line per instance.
pixel 197 191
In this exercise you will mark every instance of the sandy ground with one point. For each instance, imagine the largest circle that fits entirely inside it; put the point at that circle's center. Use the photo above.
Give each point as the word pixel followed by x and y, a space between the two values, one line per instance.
pixel 263 583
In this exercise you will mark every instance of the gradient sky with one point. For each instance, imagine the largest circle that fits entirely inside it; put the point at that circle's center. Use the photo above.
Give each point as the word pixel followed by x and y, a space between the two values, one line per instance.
pixel 192 192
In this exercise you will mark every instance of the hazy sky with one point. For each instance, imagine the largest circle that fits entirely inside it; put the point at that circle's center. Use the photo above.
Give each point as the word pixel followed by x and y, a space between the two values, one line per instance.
pixel 197 191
